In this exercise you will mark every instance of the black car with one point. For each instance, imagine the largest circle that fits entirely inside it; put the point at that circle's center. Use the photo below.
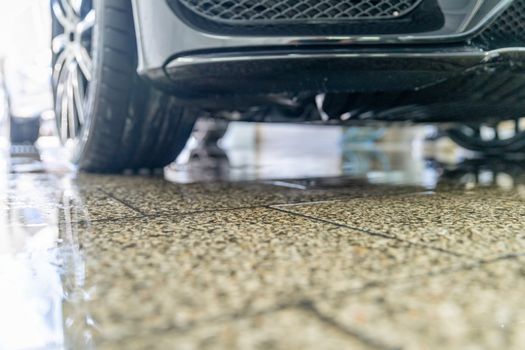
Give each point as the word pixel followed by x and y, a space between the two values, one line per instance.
pixel 130 77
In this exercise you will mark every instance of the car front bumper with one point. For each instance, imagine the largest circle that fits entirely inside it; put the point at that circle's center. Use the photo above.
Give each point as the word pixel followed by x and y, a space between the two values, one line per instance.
pixel 162 35
pixel 441 75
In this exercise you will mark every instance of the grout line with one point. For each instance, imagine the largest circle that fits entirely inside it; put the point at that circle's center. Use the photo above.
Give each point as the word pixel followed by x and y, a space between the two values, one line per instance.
pixel 348 197
pixel 301 305
pixel 109 219
pixel 335 199
pixel 510 256
pixel 187 213
pixel 109 194
pixel 329 222
pixel 348 331
pixel 162 215
pixel 225 318
pixel 376 234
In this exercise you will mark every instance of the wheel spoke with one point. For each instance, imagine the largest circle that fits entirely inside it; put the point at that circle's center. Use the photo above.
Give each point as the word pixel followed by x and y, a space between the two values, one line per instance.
pixel 62 102
pixel 76 5
pixel 84 61
pixel 69 12
pixel 58 12
pixel 59 65
pixel 78 94
pixel 87 23
pixel 59 95
pixel 71 119
pixel 59 43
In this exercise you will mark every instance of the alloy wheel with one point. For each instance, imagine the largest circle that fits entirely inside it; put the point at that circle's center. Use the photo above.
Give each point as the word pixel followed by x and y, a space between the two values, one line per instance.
pixel 72 64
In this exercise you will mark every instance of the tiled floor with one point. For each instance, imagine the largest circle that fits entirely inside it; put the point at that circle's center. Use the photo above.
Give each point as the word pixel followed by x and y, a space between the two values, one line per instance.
pixel 405 252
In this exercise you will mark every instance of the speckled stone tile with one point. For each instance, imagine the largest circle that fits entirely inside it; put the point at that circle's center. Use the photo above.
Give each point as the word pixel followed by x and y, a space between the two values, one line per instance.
pixel 155 275
pixel 479 224
pixel 481 308
pixel 39 199
pixel 287 329
pixel 154 195
pixel 515 193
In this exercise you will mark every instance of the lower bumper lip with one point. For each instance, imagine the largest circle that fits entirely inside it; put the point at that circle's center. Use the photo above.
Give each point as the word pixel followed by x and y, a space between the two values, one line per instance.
pixel 318 70
pixel 456 57
pixel 221 80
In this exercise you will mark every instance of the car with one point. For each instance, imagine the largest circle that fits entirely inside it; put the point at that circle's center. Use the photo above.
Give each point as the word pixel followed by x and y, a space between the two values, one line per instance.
pixel 130 77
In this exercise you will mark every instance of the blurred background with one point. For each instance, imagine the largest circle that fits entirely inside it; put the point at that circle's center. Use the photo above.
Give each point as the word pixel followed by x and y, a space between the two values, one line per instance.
pixel 25 56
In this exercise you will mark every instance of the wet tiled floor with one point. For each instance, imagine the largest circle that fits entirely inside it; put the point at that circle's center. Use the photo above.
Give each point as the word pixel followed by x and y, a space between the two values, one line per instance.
pixel 364 249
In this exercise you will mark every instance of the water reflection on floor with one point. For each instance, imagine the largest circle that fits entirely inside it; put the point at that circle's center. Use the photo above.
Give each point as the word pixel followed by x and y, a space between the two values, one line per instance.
pixel 284 151
pixel 295 238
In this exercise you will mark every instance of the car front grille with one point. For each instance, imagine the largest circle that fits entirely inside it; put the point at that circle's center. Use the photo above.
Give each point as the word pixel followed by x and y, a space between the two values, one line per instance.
pixel 274 11
pixel 310 17
pixel 507 30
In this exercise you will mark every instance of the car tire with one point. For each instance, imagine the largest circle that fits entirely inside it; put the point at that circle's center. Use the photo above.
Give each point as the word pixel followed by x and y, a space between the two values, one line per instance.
pixel 468 137
pixel 121 122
